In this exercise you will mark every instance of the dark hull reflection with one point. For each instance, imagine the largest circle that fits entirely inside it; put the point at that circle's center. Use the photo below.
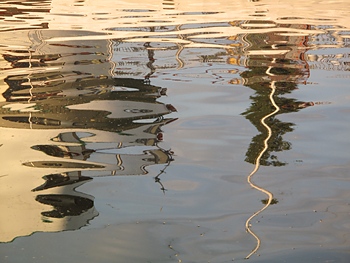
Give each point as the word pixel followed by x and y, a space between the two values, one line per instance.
pixel 100 108
pixel 64 205
pixel 55 180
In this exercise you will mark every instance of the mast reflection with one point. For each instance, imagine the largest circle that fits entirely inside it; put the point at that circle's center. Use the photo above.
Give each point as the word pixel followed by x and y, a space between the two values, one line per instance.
pixel 276 66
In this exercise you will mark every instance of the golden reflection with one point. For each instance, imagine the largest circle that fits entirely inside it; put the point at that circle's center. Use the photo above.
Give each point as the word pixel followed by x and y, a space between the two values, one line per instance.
pixel 181 63
pixel 67 115
pixel 73 102
pixel 256 168
pixel 276 66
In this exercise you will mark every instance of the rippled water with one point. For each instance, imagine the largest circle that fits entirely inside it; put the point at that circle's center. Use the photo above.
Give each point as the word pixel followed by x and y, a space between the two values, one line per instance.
pixel 173 131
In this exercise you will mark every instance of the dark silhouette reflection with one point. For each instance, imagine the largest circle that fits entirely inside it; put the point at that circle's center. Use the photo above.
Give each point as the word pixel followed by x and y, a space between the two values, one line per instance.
pixel 276 66
pixel 258 109
pixel 85 121
pixel 64 205
pixel 278 59
pixel 94 104
pixel 63 179
pixel 115 161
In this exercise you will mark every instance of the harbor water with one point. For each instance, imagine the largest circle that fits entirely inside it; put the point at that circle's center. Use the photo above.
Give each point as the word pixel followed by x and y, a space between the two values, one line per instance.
pixel 174 131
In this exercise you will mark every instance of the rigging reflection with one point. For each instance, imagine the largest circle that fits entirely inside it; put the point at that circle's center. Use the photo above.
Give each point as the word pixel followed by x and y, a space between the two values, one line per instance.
pixel 80 121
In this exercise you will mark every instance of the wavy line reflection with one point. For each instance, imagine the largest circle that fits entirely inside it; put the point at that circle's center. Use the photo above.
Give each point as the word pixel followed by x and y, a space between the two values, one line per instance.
pixel 69 114
pixel 248 225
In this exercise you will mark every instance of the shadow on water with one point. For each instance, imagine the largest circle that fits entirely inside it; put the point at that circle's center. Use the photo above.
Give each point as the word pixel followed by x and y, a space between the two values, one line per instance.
pixel 85 121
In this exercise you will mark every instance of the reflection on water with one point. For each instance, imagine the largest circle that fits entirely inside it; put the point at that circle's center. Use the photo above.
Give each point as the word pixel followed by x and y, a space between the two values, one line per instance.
pixel 269 68
pixel 257 164
pixel 276 65
pixel 78 99
pixel 90 123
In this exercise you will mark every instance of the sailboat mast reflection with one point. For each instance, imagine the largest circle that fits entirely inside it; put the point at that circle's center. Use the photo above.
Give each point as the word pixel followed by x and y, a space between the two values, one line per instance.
pixel 276 65
pixel 256 168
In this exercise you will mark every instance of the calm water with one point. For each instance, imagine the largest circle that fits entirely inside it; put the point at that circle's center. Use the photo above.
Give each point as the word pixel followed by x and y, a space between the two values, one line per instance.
pixel 174 131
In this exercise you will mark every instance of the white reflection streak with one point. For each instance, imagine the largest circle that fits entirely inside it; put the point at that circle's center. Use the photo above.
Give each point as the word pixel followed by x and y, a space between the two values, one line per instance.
pixel 30 90
pixel 257 165
pixel 110 46
pixel 180 48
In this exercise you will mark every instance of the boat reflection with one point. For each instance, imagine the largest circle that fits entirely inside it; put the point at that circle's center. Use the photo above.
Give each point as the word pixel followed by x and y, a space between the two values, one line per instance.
pixel 74 119
pixel 77 100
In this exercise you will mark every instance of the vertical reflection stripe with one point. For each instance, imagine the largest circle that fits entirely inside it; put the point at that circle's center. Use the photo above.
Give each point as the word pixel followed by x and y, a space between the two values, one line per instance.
pixel 256 168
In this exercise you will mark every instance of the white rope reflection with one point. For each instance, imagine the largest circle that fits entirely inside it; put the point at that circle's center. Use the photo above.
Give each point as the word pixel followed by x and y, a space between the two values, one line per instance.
pixel 248 225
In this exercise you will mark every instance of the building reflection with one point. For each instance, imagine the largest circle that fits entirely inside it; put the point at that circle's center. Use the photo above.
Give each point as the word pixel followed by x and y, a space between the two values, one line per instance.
pixel 99 124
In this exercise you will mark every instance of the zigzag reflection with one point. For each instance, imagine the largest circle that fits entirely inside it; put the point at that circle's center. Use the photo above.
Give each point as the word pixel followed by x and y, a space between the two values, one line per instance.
pixel 274 70
pixel 75 121
pixel 256 168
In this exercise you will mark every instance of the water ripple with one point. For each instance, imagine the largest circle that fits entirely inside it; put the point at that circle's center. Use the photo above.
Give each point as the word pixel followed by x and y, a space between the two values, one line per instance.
pixel 78 100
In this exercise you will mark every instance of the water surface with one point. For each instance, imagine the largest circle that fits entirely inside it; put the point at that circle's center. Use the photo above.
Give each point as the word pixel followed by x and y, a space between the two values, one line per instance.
pixel 170 131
